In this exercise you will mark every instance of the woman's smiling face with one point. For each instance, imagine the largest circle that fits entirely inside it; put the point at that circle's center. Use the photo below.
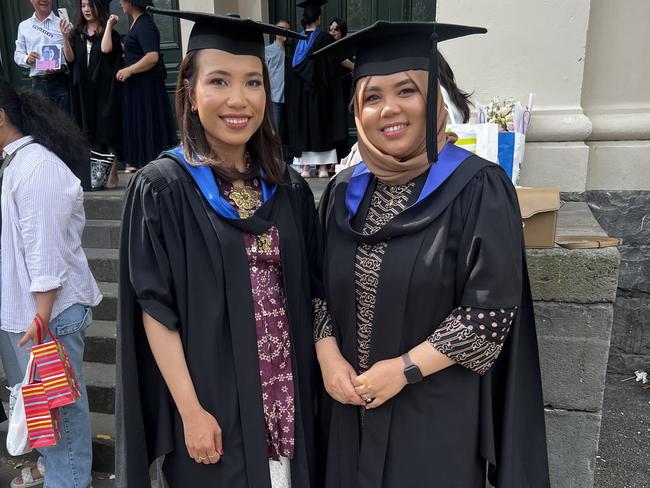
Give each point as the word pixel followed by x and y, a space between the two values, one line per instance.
pixel 393 114
pixel 229 96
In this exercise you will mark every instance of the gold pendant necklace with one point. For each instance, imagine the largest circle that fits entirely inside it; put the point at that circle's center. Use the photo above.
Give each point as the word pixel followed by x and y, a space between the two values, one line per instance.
pixel 247 201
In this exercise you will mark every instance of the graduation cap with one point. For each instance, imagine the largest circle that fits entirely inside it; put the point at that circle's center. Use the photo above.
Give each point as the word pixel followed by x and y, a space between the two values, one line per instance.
pixel 312 6
pixel 227 33
pixel 390 47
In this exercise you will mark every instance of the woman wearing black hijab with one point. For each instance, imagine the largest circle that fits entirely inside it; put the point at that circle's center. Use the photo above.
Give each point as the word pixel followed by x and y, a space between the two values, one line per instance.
pixel 427 339
pixel 219 261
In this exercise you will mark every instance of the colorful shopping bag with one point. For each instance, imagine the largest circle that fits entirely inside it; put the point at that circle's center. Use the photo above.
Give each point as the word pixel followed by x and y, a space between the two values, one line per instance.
pixel 54 368
pixel 42 424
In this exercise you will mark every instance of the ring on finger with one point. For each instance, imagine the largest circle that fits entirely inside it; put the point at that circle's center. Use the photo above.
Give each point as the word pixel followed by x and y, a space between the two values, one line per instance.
pixel 212 456
pixel 202 458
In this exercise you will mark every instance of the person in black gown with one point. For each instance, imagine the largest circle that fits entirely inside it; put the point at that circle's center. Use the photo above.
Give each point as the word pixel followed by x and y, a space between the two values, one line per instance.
pixel 338 29
pixel 315 114
pixel 219 261
pixel 94 56
pixel 427 338
pixel 147 126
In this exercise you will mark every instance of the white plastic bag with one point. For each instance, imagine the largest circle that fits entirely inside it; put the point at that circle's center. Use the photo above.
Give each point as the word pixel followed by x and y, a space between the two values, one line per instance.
pixel 17 437
pixel 480 139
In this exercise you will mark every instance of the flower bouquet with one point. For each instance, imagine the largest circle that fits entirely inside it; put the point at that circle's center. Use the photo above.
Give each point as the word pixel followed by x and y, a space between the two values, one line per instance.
pixel 512 119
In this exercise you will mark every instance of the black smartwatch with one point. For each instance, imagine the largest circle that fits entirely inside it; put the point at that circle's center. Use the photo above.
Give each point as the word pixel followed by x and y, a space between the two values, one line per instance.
pixel 411 370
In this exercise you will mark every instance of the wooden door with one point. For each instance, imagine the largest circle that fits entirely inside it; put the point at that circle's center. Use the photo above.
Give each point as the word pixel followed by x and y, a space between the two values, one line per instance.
pixel 357 13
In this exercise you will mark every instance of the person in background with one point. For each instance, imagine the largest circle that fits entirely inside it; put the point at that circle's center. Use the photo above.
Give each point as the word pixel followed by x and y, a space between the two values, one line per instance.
pixel 44 268
pixel 275 61
pixel 94 54
pixel 338 29
pixel 315 114
pixel 146 113
pixel 40 29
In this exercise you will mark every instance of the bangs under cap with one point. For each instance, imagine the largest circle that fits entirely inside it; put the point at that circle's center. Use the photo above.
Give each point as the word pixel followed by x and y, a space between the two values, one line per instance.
pixel 243 37
pixel 385 48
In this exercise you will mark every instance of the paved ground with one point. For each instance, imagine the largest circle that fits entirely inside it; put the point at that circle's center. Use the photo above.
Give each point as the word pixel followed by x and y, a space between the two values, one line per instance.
pixel 624 454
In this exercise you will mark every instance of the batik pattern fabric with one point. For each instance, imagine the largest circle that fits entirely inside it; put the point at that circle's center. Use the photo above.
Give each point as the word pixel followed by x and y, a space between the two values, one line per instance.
pixel 386 202
pixel 272 327
pixel 473 337
pixel 323 326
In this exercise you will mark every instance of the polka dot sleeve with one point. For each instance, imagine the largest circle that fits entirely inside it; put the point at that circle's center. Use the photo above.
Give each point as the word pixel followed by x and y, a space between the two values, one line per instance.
pixel 323 326
pixel 473 337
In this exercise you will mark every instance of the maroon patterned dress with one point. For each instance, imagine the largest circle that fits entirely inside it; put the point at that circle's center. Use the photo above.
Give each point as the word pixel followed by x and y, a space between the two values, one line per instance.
pixel 273 332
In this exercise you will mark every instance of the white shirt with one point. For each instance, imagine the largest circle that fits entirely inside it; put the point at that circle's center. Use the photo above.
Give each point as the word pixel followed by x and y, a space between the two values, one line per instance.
pixel 32 35
pixel 42 222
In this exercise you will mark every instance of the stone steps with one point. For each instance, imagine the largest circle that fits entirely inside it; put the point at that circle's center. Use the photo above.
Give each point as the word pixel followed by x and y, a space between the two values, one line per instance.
pixel 100 383
pixel 100 241
pixel 107 309
pixel 104 264
pixel 101 339
pixel 101 234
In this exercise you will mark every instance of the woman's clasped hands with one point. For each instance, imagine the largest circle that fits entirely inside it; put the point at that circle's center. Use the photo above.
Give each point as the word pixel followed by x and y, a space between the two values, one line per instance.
pixel 380 383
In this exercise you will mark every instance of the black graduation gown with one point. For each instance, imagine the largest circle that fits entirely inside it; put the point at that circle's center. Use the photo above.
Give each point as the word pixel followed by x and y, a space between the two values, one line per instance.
pixel 187 267
pixel 96 94
pixel 461 245
pixel 313 94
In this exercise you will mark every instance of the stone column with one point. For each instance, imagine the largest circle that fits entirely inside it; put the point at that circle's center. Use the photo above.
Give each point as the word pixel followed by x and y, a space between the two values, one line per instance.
pixel 534 47
pixel 616 97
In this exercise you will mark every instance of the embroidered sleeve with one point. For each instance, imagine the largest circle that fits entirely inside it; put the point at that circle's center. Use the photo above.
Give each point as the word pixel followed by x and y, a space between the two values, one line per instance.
pixel 473 337
pixel 322 320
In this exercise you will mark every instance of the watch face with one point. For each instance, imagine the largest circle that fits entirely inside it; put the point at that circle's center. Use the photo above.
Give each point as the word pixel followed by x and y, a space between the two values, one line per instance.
pixel 413 374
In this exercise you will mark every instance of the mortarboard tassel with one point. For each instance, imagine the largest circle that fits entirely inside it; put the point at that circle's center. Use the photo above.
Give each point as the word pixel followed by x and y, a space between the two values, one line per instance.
pixel 432 97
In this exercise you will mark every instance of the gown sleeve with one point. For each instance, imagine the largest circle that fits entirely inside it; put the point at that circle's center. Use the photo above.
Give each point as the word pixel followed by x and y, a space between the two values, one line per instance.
pixel 489 268
pixel 323 322
pixel 150 271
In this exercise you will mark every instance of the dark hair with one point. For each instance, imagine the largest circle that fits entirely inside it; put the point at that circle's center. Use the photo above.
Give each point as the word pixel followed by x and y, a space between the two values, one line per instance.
pixel 448 81
pixel 98 12
pixel 264 147
pixel 343 26
pixel 34 115
pixel 310 15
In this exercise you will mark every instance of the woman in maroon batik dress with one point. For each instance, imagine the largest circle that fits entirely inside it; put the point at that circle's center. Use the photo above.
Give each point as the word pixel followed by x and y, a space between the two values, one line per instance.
pixel 220 261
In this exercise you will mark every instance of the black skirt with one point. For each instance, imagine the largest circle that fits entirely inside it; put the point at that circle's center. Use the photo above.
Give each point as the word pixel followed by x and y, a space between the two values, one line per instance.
pixel 147 125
